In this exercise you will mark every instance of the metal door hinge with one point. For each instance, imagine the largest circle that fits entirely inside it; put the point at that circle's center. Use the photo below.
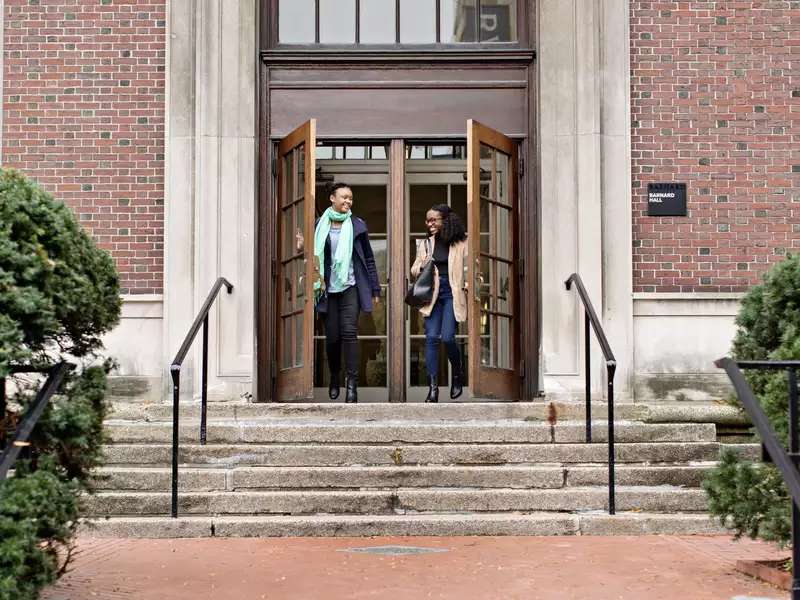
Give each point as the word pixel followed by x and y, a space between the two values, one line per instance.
pixel 274 166
pixel 521 166
pixel 521 268
pixel 522 368
pixel 274 268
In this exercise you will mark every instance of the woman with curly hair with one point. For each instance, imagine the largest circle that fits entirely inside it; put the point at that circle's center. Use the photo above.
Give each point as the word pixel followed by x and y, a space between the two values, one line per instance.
pixel 448 307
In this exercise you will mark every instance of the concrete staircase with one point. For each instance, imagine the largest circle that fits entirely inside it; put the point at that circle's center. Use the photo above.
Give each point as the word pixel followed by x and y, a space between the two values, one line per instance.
pixel 410 469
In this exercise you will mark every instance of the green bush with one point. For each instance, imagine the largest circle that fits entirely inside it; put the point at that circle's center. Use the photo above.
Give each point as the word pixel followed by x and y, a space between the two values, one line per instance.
pixel 57 290
pixel 37 515
pixel 750 497
pixel 58 294
pixel 71 428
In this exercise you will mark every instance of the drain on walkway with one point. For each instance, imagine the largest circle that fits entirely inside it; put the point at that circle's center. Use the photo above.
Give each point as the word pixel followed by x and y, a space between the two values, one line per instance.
pixel 394 550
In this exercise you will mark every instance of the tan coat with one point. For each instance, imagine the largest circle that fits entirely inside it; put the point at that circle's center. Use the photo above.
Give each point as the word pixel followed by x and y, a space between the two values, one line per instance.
pixel 456 266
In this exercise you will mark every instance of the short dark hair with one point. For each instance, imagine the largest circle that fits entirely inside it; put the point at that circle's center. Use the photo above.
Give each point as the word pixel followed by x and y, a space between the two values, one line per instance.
pixel 337 186
pixel 453 229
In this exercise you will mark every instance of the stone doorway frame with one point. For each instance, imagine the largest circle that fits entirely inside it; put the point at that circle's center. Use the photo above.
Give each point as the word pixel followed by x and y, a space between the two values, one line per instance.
pixel 578 165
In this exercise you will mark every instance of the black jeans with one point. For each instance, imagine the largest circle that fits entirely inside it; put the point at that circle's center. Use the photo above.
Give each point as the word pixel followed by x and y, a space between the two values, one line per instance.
pixel 341 331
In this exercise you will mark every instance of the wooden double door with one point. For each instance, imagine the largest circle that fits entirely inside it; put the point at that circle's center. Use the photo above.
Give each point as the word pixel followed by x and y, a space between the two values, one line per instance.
pixel 394 182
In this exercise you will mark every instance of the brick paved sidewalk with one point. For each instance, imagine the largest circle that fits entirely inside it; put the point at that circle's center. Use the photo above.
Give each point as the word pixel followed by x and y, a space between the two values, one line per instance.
pixel 547 568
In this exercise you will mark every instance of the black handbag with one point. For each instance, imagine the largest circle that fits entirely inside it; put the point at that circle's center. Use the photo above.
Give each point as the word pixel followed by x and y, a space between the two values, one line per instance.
pixel 420 293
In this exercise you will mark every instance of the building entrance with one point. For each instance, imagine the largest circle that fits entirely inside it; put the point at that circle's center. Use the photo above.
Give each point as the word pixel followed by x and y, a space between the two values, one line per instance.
pixel 394 182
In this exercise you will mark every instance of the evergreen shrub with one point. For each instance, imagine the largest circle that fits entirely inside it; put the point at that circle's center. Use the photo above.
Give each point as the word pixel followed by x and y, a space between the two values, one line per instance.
pixel 750 497
pixel 58 294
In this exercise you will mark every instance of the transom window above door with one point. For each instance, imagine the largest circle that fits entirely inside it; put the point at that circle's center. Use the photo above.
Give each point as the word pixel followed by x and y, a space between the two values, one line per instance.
pixel 396 22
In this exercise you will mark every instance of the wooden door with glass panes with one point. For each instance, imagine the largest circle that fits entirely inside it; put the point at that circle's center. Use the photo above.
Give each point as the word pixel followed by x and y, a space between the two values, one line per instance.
pixel 296 268
pixel 492 268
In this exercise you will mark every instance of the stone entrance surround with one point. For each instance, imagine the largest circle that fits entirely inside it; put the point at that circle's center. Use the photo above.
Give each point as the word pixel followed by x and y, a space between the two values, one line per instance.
pixel 583 171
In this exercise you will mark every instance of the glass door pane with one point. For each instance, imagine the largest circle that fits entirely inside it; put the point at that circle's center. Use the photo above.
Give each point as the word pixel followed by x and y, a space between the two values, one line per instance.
pixel 337 21
pixel 418 22
pixel 377 22
pixel 296 21
pixel 365 169
pixel 435 174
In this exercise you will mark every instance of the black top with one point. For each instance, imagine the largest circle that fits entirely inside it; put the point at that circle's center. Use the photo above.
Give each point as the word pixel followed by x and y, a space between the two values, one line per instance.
pixel 363 262
pixel 441 252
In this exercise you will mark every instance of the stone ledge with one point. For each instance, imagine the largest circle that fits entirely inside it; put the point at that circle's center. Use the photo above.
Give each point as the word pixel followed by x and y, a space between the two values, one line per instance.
pixel 534 524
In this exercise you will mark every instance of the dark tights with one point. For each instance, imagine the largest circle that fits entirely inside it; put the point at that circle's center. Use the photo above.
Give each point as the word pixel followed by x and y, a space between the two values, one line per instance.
pixel 341 331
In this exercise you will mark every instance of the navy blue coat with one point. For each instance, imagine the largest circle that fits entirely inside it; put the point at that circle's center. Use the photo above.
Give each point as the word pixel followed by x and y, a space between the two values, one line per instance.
pixel 363 267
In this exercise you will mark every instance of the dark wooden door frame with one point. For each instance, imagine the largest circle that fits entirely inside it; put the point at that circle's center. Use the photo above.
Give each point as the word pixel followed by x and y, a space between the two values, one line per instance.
pixel 529 220
pixel 397 273
pixel 266 366
pixel 395 291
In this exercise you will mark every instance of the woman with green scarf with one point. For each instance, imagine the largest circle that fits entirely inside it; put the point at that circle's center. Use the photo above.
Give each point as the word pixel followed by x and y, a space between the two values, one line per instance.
pixel 348 284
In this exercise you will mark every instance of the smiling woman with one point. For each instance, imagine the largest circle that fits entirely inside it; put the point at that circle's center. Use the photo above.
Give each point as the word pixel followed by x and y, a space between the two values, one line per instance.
pixel 349 285
pixel 365 169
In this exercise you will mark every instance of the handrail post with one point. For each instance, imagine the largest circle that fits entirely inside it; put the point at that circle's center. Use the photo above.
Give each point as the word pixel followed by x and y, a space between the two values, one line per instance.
pixel 611 368
pixel 591 321
pixel 588 368
pixel 204 384
pixel 785 462
pixel 794 447
pixel 175 371
pixel 55 375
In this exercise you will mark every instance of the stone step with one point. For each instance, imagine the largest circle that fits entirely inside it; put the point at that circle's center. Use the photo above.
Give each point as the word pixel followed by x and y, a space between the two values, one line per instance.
pixel 398 501
pixel 524 477
pixel 689 412
pixel 255 431
pixel 421 454
pixel 468 524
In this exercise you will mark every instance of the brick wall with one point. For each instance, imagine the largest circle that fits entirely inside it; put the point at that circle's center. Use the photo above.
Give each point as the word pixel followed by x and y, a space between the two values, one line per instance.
pixel 716 104
pixel 83 114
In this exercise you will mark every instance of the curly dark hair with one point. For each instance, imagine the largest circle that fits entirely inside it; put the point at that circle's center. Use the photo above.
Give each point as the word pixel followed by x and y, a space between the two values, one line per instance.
pixel 332 187
pixel 453 229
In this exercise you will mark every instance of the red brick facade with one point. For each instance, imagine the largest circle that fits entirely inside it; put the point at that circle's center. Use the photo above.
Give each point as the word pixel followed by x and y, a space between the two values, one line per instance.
pixel 83 114
pixel 715 94
pixel 715 103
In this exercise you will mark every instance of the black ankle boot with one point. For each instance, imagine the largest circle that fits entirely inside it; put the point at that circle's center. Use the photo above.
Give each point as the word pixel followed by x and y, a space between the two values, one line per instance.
pixel 433 389
pixel 333 386
pixel 457 385
pixel 351 389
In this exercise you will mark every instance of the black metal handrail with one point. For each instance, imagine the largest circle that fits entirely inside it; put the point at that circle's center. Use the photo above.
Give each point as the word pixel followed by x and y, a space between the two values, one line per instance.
pixel 175 372
pixel 25 427
pixel 591 321
pixel 785 461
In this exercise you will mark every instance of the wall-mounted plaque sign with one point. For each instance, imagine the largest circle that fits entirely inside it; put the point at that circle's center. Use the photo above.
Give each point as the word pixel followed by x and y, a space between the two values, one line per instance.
pixel 666 199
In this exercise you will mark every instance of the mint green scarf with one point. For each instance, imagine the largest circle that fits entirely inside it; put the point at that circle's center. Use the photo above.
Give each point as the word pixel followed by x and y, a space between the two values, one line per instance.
pixel 340 267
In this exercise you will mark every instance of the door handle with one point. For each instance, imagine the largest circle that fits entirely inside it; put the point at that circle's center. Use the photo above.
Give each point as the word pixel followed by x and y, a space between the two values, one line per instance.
pixel 316 278
pixel 479 281
pixel 301 281
pixel 287 285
